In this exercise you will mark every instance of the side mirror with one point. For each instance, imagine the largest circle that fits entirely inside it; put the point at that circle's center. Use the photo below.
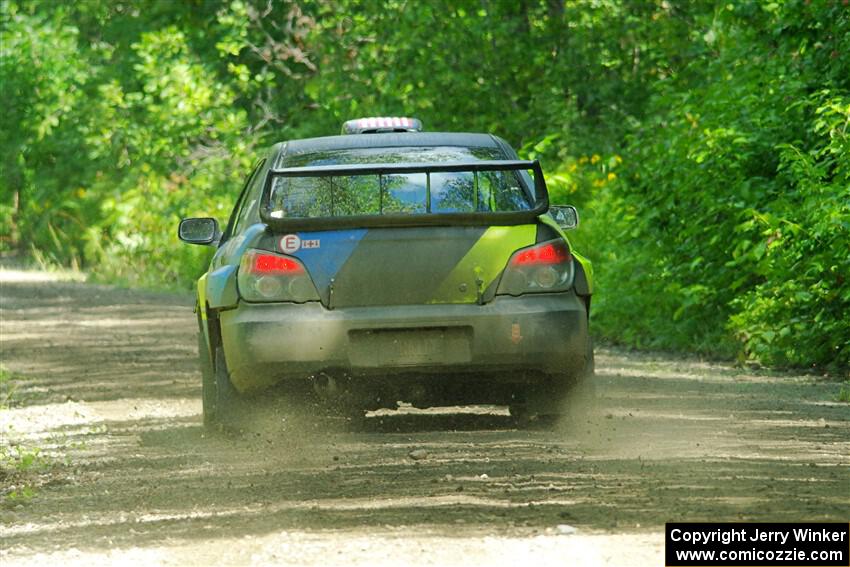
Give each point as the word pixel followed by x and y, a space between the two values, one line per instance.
pixel 199 231
pixel 565 215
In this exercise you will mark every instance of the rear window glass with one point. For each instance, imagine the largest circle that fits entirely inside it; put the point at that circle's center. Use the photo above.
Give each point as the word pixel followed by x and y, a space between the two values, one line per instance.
pixel 399 193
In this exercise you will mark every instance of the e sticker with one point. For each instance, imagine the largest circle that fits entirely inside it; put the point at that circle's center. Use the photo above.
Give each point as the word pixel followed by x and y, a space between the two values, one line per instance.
pixel 292 243
pixel 289 243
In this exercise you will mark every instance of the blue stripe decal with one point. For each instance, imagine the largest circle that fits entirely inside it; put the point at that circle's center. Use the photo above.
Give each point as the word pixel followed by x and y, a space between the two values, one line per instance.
pixel 335 247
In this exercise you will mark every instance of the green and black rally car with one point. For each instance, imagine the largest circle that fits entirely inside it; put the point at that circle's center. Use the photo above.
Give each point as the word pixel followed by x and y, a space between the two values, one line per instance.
pixel 390 264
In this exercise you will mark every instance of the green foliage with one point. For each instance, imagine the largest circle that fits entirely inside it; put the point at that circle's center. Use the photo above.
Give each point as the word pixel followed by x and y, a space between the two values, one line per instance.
pixel 798 310
pixel 191 162
pixel 706 144
pixel 739 178
pixel 22 459
pixel 525 70
pixel 43 80
pixel 108 158
pixel 18 465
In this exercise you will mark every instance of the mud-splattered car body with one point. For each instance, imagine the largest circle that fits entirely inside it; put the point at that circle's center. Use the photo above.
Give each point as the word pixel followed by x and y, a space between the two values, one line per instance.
pixel 424 267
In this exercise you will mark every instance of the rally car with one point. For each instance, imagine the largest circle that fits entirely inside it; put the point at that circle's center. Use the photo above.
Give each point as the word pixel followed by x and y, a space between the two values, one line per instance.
pixel 389 264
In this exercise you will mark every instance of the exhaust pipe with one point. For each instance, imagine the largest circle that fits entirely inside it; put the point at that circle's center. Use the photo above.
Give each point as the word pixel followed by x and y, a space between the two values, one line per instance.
pixel 325 386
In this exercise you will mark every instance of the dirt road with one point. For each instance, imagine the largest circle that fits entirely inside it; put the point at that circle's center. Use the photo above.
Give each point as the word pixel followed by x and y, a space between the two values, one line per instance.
pixel 106 386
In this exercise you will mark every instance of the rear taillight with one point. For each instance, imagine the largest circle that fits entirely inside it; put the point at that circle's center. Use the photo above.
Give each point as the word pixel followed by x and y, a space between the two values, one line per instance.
pixel 544 267
pixel 264 276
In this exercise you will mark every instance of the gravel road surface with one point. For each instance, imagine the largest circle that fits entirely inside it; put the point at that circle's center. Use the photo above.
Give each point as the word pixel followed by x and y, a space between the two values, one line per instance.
pixel 105 387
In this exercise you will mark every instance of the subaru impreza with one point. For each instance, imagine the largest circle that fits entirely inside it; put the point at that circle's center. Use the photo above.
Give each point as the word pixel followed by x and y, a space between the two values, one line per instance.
pixel 390 264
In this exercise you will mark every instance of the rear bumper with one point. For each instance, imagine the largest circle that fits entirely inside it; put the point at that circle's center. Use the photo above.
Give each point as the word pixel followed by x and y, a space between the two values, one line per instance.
pixel 536 333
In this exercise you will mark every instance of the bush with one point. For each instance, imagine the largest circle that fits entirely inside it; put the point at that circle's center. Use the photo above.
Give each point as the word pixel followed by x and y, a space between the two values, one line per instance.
pixel 732 231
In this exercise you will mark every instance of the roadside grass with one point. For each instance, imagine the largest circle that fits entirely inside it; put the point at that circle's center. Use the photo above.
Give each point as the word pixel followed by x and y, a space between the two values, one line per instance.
pixel 40 266
pixel 7 388
pixel 844 393
pixel 22 468
pixel 12 394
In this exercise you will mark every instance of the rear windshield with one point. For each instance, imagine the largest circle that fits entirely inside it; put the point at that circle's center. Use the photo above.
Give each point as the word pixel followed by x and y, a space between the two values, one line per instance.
pixel 401 193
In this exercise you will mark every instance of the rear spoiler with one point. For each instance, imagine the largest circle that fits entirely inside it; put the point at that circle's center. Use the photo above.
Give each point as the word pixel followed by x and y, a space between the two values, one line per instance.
pixel 540 198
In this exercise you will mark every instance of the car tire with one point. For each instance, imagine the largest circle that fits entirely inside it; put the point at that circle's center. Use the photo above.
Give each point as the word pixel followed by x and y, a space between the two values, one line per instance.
pixel 571 396
pixel 583 391
pixel 208 390
pixel 220 399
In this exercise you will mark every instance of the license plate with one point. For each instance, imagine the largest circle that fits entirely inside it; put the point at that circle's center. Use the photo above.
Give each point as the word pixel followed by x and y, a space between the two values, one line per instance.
pixel 410 347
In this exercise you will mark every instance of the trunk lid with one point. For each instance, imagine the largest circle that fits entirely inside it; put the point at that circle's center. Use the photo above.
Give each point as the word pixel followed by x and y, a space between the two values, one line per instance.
pixel 406 265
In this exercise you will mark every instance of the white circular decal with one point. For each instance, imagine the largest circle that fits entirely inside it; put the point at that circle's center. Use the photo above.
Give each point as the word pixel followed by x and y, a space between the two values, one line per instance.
pixel 289 243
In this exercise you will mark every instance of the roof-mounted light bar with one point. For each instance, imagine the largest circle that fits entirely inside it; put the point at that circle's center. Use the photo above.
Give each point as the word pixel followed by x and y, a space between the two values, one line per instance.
pixel 377 124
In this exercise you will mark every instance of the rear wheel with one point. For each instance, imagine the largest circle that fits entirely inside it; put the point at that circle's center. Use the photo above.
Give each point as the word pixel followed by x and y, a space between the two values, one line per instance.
pixel 207 382
pixel 571 396
pixel 206 363
pixel 220 398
